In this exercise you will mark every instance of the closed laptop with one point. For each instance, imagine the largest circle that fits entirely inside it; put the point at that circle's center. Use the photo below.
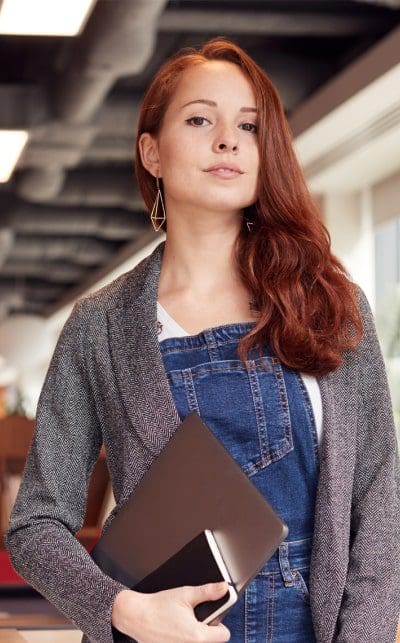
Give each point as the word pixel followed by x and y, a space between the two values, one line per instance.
pixel 194 484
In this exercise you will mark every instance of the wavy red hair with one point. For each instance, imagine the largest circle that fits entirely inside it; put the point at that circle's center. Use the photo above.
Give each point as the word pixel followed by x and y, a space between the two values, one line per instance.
pixel 308 311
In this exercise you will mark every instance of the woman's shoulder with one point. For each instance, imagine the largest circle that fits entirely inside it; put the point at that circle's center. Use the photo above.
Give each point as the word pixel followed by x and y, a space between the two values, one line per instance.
pixel 363 302
pixel 90 312
pixel 368 350
pixel 113 293
pixel 367 316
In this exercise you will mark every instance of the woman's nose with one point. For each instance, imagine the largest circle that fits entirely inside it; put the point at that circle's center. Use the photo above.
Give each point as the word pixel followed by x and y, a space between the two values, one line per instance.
pixel 226 141
pixel 224 146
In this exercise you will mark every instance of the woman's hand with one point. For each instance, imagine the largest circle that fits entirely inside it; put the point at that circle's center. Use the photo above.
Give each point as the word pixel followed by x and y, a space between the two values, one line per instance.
pixel 168 615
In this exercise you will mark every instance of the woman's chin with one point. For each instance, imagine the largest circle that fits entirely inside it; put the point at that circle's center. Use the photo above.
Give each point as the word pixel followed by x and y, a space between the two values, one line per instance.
pixel 215 204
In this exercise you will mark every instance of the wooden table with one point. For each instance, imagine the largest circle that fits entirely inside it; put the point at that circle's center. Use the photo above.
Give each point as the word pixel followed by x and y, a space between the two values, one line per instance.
pixel 40 636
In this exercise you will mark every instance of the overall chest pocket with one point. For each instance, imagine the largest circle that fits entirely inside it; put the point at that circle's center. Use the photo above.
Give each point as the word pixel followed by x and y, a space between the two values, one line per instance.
pixel 248 411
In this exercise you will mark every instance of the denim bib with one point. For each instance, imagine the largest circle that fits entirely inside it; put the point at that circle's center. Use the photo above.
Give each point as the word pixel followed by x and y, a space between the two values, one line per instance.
pixel 264 418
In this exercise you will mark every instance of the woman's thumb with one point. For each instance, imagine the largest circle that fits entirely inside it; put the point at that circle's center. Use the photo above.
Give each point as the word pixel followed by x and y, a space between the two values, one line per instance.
pixel 216 589
pixel 210 591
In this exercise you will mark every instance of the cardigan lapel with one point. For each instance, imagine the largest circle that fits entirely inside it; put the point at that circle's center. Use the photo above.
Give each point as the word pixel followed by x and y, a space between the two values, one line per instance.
pixel 137 358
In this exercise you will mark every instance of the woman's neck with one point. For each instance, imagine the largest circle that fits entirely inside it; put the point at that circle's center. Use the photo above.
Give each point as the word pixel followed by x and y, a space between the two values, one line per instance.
pixel 199 286
pixel 202 263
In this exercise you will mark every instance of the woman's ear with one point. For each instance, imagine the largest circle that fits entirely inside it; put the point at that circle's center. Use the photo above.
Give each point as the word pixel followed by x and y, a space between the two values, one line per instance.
pixel 148 148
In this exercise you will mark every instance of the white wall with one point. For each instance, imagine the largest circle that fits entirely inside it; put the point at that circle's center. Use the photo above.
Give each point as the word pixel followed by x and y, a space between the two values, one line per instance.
pixel 349 220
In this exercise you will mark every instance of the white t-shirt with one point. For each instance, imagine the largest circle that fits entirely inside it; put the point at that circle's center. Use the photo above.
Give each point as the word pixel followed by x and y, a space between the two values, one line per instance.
pixel 167 327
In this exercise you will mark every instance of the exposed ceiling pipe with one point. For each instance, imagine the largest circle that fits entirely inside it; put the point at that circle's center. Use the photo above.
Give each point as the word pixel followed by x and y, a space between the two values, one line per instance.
pixel 40 184
pixel 118 41
pixel 61 144
pixel 35 290
pixel 26 308
pixel 6 243
pixel 111 149
pixel 112 225
pixel 388 3
pixel 84 252
pixel 112 187
pixel 52 148
pixel 118 116
pixel 57 144
pixel 53 271
pixel 101 188
pixel 22 107
pixel 269 22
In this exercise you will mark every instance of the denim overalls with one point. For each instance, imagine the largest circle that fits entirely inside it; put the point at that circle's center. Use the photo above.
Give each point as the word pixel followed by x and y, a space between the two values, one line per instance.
pixel 265 420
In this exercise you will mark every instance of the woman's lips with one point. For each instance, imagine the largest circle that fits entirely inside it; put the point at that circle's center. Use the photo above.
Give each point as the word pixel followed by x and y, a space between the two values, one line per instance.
pixel 224 173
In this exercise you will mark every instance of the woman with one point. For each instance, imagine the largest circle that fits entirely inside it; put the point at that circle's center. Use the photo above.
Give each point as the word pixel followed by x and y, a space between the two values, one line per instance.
pixel 243 314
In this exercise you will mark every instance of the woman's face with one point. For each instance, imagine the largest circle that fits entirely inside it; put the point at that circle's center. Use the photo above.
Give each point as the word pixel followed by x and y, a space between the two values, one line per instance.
pixel 210 122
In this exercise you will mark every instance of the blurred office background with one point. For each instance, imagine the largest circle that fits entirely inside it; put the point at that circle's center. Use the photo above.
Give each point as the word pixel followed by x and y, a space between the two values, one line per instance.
pixel 72 76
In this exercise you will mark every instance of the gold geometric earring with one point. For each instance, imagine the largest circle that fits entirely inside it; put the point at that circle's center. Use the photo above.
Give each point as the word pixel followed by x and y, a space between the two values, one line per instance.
pixel 157 220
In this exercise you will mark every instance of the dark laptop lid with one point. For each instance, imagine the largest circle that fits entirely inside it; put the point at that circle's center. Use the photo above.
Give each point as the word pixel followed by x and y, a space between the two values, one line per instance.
pixel 194 484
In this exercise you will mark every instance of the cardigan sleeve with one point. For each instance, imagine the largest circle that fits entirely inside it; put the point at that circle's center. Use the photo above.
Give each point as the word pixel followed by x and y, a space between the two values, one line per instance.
pixel 51 501
pixel 371 600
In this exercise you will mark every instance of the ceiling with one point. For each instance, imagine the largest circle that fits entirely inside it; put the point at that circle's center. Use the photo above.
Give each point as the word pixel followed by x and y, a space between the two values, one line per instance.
pixel 71 211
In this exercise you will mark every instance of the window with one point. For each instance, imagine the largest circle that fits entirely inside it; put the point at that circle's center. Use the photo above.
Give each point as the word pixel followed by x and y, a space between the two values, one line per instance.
pixel 387 297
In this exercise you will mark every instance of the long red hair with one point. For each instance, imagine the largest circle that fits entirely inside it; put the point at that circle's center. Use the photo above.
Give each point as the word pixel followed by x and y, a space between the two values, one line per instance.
pixel 307 304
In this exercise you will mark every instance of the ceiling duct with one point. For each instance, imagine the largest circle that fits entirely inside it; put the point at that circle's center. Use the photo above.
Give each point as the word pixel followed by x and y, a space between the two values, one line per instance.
pixel 118 115
pixel 118 41
pixel 40 184
pixel 57 144
pixel 52 148
pixel 78 250
pixel 62 272
pixel 6 243
pixel 22 107
pixel 39 290
pixel 101 188
pixel 305 22
pixel 111 225
pixel 395 4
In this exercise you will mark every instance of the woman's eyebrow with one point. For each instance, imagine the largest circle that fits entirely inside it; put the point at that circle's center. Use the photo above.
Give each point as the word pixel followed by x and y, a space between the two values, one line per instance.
pixel 212 103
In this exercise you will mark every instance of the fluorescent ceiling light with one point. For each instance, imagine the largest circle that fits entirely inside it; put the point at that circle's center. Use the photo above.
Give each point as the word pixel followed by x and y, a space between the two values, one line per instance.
pixel 44 17
pixel 11 145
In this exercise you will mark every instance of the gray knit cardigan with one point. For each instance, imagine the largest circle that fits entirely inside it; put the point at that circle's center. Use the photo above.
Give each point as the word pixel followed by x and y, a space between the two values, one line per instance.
pixel 106 383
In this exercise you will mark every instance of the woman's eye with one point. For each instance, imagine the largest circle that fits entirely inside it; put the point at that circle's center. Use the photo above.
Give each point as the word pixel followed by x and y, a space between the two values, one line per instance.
pixel 200 121
pixel 197 120
pixel 250 127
